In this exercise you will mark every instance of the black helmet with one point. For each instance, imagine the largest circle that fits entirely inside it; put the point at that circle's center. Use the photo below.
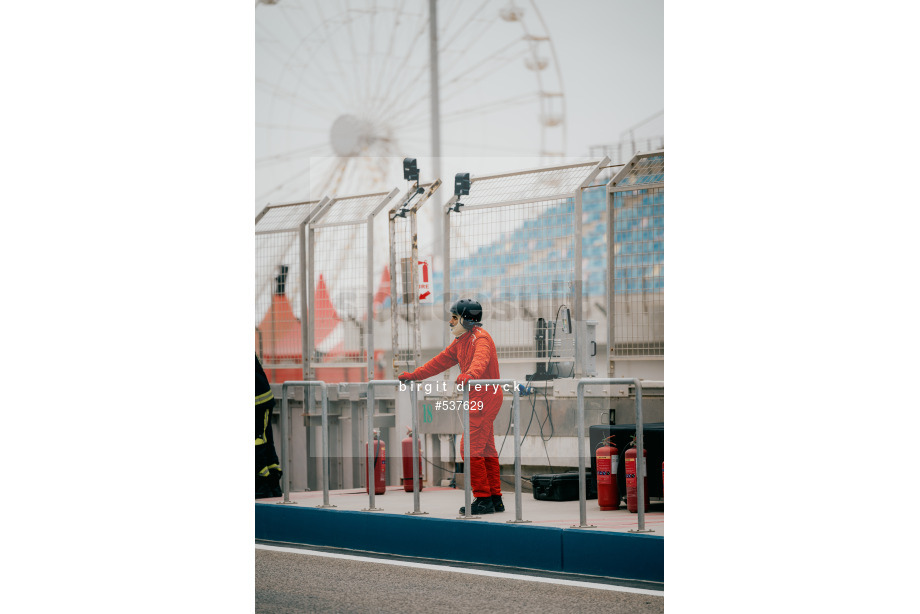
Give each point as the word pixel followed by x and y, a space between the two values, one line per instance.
pixel 469 312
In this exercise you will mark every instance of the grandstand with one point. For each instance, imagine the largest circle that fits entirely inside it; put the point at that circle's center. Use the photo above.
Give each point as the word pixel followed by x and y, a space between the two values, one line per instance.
pixel 539 246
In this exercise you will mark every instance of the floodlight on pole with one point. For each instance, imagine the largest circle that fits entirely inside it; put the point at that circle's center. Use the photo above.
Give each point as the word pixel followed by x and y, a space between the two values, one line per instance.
pixel 410 169
pixel 461 184
pixel 461 187
pixel 410 173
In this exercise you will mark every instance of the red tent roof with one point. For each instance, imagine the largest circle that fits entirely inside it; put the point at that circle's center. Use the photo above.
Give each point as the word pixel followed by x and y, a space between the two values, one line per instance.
pixel 281 330
pixel 326 318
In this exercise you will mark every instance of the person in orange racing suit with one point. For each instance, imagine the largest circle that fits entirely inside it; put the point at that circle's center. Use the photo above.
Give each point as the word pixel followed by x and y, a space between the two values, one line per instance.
pixel 474 350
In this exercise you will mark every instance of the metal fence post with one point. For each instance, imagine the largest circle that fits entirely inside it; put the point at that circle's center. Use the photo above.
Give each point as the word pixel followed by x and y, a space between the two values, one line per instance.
pixel 285 418
pixel 641 469
pixel 582 491
pixel 369 473
pixel 322 387
pixel 516 416
pixel 369 470
pixel 369 331
pixel 285 470
pixel 467 487
pixel 640 460
pixel 413 401
pixel 515 409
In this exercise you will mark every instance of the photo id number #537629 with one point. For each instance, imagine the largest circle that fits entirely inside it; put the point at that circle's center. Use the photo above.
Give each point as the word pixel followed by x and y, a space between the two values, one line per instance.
pixel 457 405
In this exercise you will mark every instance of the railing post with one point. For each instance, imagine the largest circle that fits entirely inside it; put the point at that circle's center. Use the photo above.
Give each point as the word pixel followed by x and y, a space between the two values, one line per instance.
pixel 413 401
pixel 325 436
pixel 640 459
pixel 467 487
pixel 515 408
pixel 640 462
pixel 516 416
pixel 370 439
pixel 582 491
pixel 370 471
pixel 285 419
pixel 285 470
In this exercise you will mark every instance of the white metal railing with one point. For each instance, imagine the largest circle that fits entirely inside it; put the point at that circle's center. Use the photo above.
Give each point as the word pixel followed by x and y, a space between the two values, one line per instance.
pixel 285 421
pixel 412 389
pixel 515 417
pixel 640 458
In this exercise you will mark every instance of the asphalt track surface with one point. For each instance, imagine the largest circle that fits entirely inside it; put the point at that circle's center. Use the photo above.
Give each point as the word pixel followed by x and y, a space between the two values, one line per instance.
pixel 295 579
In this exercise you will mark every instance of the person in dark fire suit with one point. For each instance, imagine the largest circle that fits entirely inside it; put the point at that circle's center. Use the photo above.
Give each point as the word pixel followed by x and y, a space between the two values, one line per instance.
pixel 268 473
pixel 474 350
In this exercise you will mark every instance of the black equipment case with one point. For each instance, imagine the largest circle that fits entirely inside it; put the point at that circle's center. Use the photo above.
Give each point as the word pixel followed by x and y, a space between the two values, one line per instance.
pixel 562 486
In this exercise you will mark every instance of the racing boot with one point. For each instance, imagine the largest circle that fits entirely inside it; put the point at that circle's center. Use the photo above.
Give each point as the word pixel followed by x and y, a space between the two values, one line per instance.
pixel 480 505
pixel 497 503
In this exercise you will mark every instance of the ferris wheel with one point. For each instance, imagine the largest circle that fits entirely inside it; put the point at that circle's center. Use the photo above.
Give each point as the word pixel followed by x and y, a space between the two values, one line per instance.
pixel 343 90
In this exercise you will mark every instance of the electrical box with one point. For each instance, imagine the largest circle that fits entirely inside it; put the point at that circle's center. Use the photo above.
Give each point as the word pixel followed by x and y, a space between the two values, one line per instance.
pixel 586 348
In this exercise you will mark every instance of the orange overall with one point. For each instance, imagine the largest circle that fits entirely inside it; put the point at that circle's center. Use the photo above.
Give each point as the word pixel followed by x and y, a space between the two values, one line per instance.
pixel 474 351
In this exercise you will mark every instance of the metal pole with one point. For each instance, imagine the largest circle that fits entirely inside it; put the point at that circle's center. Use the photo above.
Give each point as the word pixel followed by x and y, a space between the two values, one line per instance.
pixel 308 350
pixel 370 438
pixel 435 107
pixel 467 494
pixel 577 290
pixel 304 330
pixel 445 300
pixel 370 477
pixel 640 463
pixel 640 459
pixel 516 416
pixel 394 318
pixel 285 418
pixel 413 277
pixel 579 280
pixel 325 429
pixel 516 411
pixel 641 468
pixel 610 295
pixel 369 332
pixel 413 402
pixel 285 469
pixel 582 491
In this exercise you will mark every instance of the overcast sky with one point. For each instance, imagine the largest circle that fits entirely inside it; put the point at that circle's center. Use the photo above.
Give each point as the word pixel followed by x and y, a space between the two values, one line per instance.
pixel 612 58
pixel 313 67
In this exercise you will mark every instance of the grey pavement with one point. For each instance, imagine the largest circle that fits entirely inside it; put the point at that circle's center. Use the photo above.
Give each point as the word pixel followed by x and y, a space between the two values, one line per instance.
pixel 290 582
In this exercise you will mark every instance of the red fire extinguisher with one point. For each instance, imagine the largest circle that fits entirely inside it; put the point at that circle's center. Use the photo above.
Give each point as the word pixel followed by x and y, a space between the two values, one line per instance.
pixel 407 462
pixel 632 483
pixel 608 496
pixel 379 463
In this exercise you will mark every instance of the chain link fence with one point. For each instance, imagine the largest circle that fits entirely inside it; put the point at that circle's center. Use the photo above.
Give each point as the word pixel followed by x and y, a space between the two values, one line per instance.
pixel 515 246
pixel 340 242
pixel 636 253
pixel 408 277
pixel 280 299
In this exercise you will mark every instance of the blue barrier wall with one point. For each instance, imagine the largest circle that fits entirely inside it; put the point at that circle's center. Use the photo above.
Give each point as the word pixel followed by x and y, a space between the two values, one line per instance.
pixel 599 553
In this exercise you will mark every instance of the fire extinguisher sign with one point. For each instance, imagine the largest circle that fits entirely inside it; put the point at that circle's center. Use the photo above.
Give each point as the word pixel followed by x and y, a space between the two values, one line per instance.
pixel 424 282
